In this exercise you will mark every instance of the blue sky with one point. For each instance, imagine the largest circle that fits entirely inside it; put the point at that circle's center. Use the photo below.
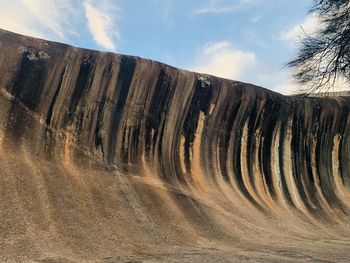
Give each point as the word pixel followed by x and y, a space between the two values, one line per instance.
pixel 246 40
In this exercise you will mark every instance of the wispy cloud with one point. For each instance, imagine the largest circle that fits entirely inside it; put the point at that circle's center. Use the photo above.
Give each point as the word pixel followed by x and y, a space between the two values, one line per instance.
pixel 219 7
pixel 295 33
pixel 222 59
pixel 19 23
pixel 102 23
pixel 41 18
pixel 255 19
pixel 278 80
pixel 62 20
pixel 55 16
pixel 166 10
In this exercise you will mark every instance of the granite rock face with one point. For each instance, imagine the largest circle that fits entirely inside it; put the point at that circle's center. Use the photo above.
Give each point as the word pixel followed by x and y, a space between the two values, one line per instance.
pixel 108 157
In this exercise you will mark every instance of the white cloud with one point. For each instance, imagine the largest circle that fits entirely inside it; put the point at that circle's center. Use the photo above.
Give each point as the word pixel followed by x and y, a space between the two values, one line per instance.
pixel 255 19
pixel 55 16
pixel 285 84
pixel 215 7
pixel 222 59
pixel 309 26
pixel 19 23
pixel 101 23
pixel 293 35
pixel 40 18
pixel 278 80
pixel 62 20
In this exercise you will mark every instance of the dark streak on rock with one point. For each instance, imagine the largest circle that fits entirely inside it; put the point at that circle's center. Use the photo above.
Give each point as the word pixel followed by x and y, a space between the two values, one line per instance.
pixel 82 85
pixel 105 81
pixel 54 98
pixel 126 72
pixel 30 80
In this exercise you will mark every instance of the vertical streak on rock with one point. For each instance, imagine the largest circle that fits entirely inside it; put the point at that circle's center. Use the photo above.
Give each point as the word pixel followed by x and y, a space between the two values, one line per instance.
pixel 257 156
pixel 288 168
pixel 344 156
pixel 340 189
pixel 30 79
pixel 156 119
pixel 212 134
pixel 105 82
pixel 276 170
pixel 271 115
pixel 136 112
pixel 175 121
pixel 344 145
pixel 238 126
pixel 320 204
pixel 298 155
pixel 182 154
pixel 198 177
pixel 323 154
pixel 284 130
pixel 230 114
pixel 82 85
pixel 308 120
pixel 54 98
pixel 245 170
pixel 126 73
pixel 193 126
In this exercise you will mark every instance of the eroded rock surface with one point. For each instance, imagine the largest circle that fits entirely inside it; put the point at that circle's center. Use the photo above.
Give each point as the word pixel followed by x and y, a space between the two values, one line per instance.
pixel 114 158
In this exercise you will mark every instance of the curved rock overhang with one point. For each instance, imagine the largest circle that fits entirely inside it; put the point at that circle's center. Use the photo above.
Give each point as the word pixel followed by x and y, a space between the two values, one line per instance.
pixel 105 154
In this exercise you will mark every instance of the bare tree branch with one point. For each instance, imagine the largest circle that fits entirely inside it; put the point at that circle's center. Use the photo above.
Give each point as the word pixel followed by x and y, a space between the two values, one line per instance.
pixel 325 56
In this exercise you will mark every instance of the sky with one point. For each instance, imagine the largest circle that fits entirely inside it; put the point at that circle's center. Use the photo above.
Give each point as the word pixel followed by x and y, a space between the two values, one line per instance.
pixel 245 40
